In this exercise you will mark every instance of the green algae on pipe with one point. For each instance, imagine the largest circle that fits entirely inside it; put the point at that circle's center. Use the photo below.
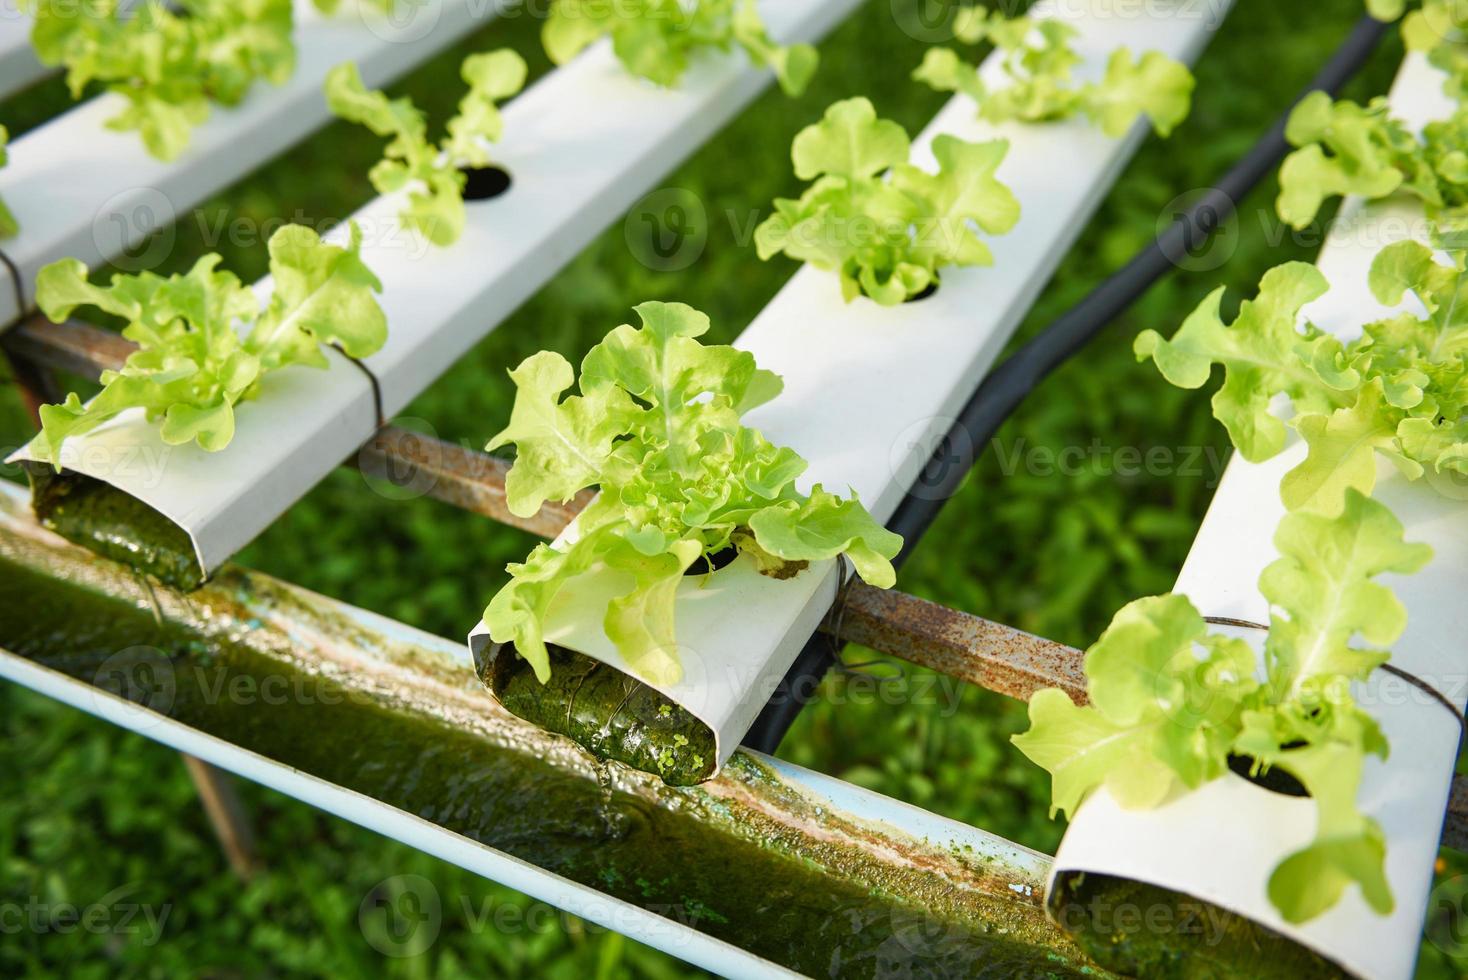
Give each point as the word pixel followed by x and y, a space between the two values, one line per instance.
pixel 611 715
pixel 114 524
pixel 751 857
pixel 1142 930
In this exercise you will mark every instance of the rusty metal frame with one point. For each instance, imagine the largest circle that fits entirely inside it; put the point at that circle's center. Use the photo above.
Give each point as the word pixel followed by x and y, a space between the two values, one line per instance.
pixel 970 648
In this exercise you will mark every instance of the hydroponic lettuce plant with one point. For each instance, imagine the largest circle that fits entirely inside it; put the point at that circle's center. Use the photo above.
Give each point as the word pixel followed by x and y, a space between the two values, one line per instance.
pixel 656 39
pixel 888 235
pixel 1345 148
pixel 1038 62
pixel 1438 28
pixel 194 364
pixel 1400 390
pixel 169 62
pixel 433 174
pixel 1171 702
pixel 656 428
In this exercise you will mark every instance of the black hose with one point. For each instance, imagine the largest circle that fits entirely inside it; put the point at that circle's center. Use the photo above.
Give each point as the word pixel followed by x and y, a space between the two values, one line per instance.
pixel 1004 388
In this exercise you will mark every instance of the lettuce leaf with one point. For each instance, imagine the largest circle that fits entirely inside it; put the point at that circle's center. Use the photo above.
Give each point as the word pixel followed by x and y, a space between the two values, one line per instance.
pixel 1038 62
pixel 432 174
pixel 9 227
pixel 656 428
pixel 887 238
pixel 193 364
pixel 1170 702
pixel 169 62
pixel 1399 391
pixel 1345 148
pixel 657 39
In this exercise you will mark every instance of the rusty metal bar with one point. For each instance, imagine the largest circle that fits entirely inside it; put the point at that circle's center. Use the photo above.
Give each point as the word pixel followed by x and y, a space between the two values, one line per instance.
pixel 991 655
pixel 72 346
pixel 457 475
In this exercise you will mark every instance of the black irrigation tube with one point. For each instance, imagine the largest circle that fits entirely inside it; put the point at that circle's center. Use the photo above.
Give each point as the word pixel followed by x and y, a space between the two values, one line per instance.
pixel 1002 390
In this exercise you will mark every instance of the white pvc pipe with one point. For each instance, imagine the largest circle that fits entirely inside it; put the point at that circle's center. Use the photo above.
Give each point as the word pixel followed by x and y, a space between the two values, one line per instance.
pixel 1221 842
pixel 582 144
pixel 869 390
pixel 81 190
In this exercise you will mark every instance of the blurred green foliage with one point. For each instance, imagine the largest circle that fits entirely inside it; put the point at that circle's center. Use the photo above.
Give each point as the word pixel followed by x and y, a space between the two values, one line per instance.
pixel 86 809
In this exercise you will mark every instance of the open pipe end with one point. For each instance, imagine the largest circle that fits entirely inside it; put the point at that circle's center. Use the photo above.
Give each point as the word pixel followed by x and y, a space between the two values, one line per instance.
pixel 115 525
pixel 612 715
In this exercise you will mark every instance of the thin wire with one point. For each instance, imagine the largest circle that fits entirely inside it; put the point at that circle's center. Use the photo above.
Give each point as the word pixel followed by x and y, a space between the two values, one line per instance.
pixel 1392 669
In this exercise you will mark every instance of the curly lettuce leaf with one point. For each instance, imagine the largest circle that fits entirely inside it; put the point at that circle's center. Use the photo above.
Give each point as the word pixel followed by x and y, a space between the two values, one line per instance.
pixel 1323 590
pixel 1154 85
pixel 1400 391
pixel 1342 148
pixel 1038 60
pixel 1169 702
pixel 887 239
pixel 492 77
pixel 656 428
pixel 169 62
pixel 562 445
pixel 1262 353
pixel 657 39
pixel 431 174
pixel 1143 735
pixel 324 294
pixel 193 365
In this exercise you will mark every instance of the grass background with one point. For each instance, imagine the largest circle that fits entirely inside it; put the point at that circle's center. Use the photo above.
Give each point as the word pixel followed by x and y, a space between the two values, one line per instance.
pixel 86 809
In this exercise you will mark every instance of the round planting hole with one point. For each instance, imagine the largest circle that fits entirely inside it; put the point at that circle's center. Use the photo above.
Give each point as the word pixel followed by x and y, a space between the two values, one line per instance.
pixel 484 183
pixel 1276 780
pixel 931 288
pixel 708 564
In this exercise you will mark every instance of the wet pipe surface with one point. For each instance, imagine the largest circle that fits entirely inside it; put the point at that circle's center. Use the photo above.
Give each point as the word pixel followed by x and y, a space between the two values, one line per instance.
pixel 760 894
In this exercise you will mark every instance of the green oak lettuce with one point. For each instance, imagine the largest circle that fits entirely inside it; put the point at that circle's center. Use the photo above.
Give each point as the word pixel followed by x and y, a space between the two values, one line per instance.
pixel 1438 29
pixel 656 39
pixel 193 364
pixel 432 173
pixel 655 426
pixel 1345 148
pixel 1038 63
pixel 1400 390
pixel 885 226
pixel 1170 702
pixel 168 62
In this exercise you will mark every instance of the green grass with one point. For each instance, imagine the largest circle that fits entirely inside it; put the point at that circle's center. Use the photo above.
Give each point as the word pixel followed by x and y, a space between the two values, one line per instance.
pixel 85 808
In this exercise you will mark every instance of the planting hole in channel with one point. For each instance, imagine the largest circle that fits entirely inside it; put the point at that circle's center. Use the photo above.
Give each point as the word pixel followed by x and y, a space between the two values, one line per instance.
pixel 1275 779
pixel 708 564
pixel 929 290
pixel 485 183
